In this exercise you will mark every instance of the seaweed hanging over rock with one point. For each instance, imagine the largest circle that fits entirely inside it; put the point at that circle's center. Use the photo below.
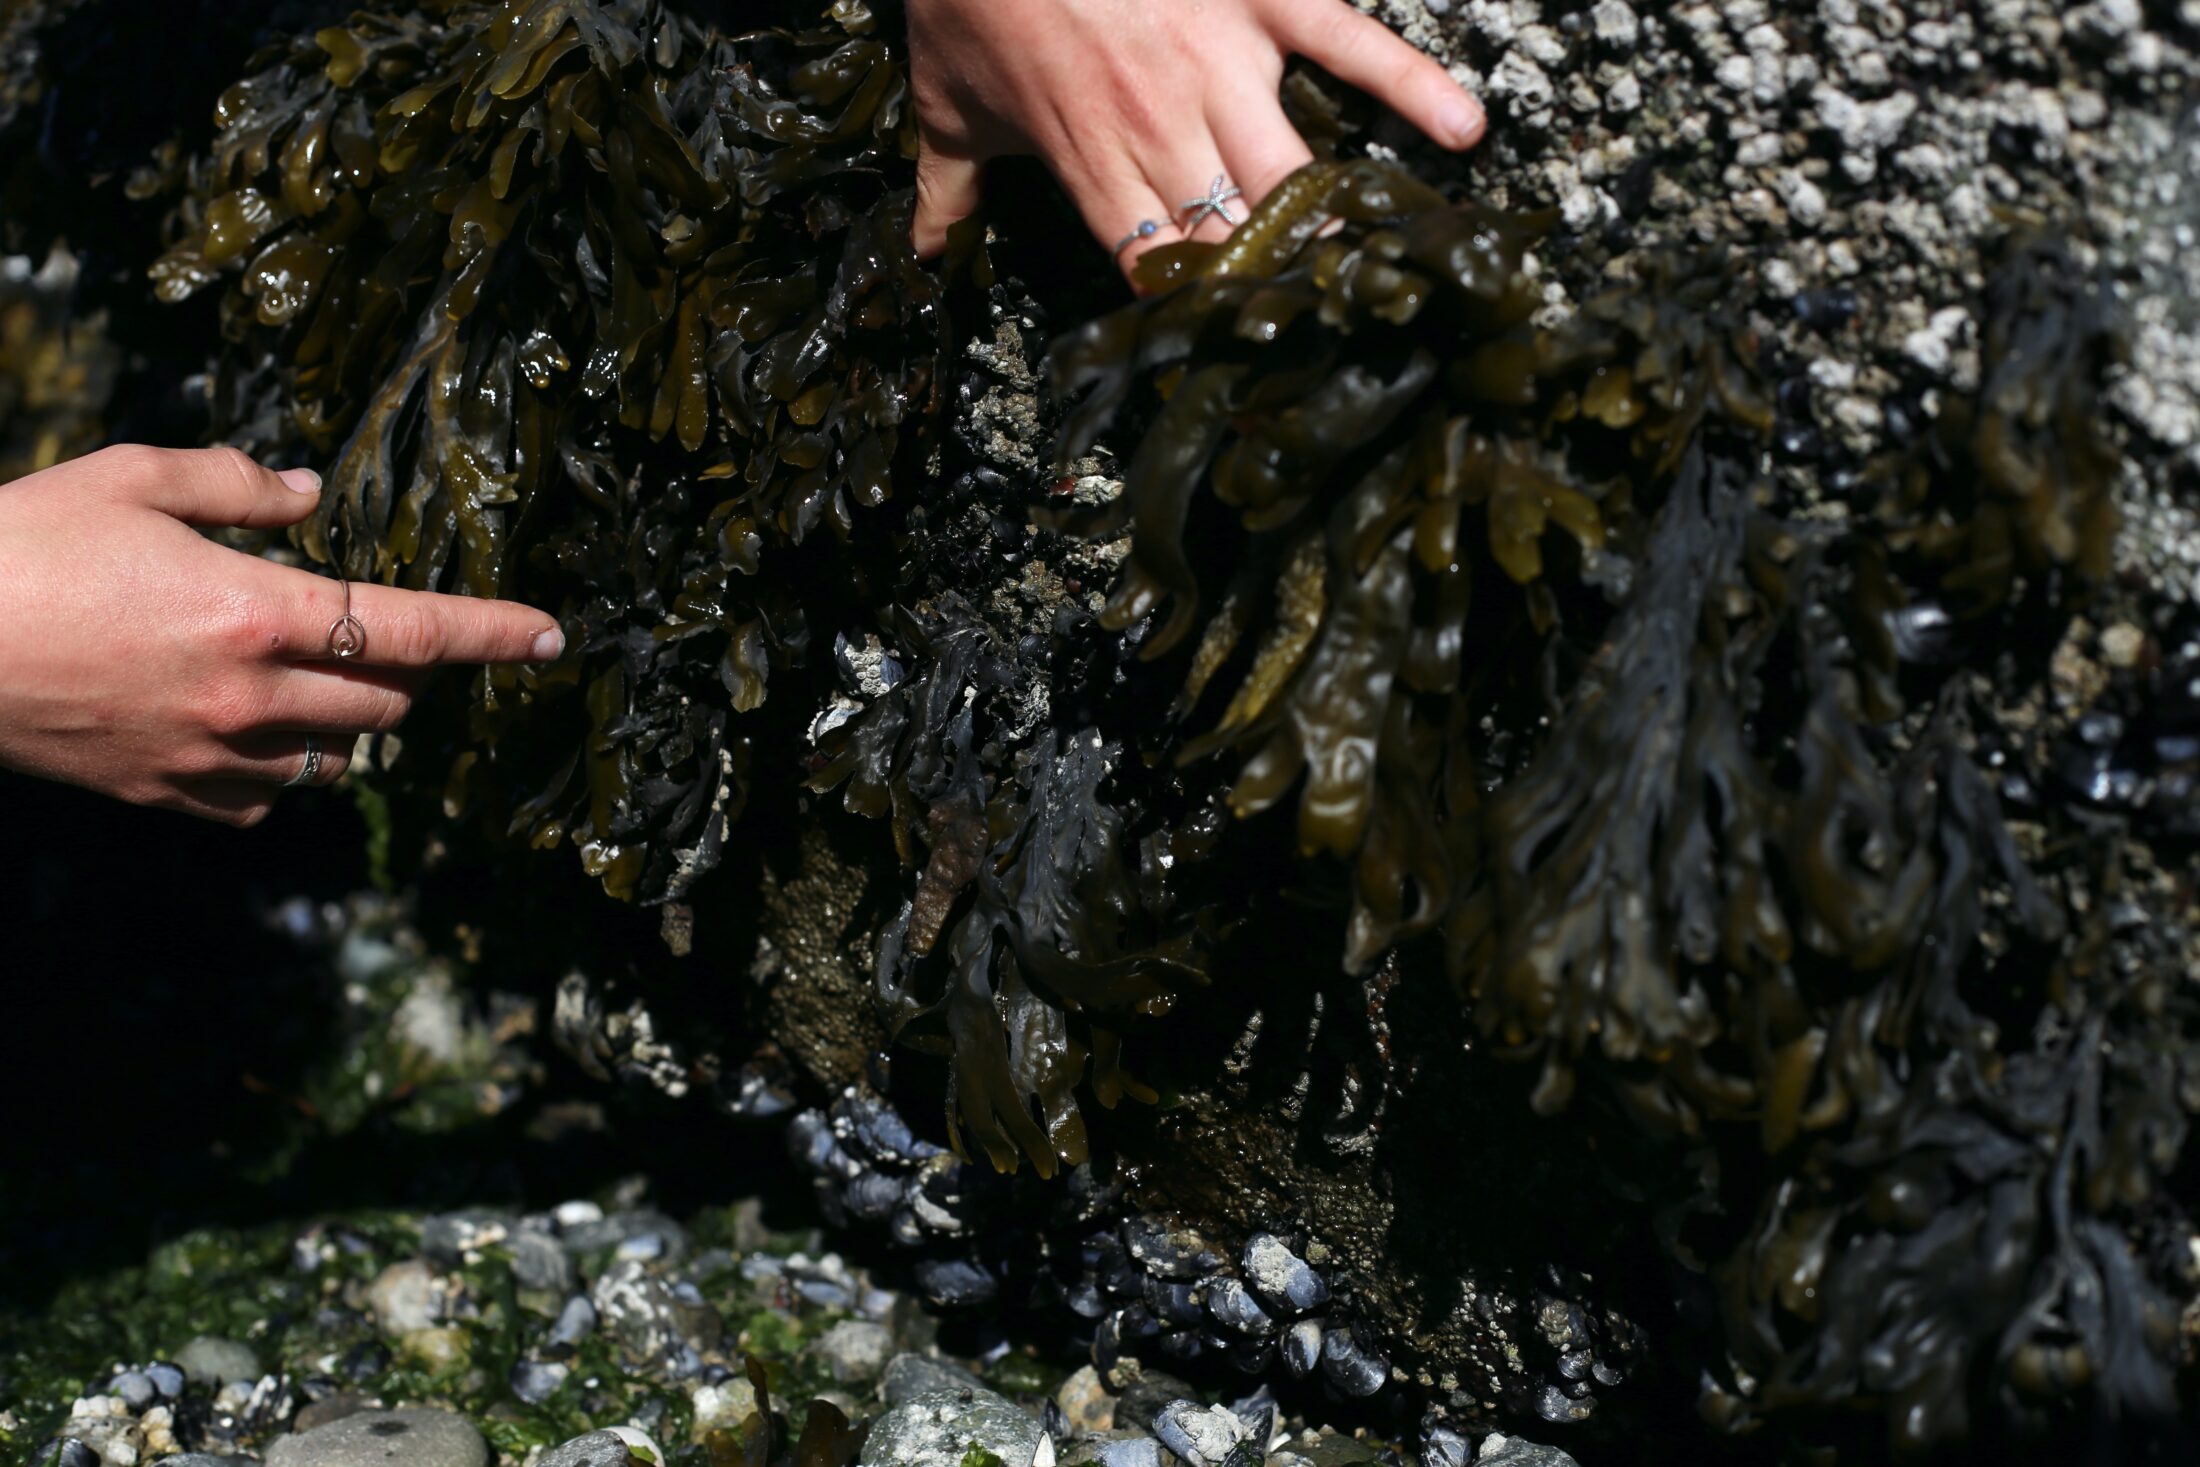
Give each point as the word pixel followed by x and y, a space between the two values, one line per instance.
pixel 1748 877
pixel 1495 631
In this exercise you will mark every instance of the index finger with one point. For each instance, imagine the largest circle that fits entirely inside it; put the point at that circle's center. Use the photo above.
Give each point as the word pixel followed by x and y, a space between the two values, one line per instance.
pixel 411 628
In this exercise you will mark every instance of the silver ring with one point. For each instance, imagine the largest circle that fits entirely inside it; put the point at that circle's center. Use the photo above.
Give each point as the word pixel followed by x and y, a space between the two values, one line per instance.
pixel 1147 229
pixel 1215 202
pixel 312 765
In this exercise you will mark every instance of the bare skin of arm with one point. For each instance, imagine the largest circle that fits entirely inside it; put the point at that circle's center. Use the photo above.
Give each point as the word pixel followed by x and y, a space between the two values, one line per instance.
pixel 1138 104
pixel 142 660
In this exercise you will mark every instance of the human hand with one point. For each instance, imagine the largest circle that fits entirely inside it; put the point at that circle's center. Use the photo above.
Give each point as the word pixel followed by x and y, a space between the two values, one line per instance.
pixel 1137 104
pixel 139 659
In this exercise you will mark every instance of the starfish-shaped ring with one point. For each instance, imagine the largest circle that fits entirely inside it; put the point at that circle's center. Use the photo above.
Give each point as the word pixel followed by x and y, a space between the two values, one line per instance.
pixel 1215 203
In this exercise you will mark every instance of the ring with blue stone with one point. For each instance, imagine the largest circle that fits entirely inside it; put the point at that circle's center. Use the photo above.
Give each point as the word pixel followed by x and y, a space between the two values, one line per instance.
pixel 1147 229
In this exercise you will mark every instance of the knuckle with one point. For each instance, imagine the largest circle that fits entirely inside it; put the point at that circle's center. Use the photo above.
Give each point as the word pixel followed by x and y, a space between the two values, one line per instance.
pixel 232 464
pixel 130 460
pixel 388 713
pixel 232 710
pixel 419 639
pixel 254 626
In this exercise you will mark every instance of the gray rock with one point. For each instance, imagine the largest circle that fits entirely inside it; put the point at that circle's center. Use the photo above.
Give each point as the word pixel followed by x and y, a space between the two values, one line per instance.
pixel 1085 1402
pixel 1512 1451
pixel 910 1376
pixel 205 1459
pixel 1204 1436
pixel 167 1378
pixel 536 1381
pixel 332 1408
pixel 650 1318
pixel 610 1232
pixel 1114 1449
pixel 576 1322
pixel 538 1262
pixel 414 1437
pixel 1142 1399
pixel 939 1428
pixel 597 1449
pixel 456 1238
pixel 136 1389
pixel 211 1361
pixel 854 1350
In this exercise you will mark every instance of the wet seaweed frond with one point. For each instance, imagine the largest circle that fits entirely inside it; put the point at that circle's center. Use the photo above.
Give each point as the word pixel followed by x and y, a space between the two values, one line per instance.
pixel 1041 937
pixel 57 368
pixel 590 306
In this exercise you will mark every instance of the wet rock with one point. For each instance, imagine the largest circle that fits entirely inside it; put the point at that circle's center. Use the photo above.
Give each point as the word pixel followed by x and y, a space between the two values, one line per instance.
pixel 212 1361
pixel 405 1297
pixel 723 1405
pixel 135 1388
pixel 597 1449
pixel 540 1262
pixel 909 1376
pixel 414 1437
pixel 1085 1402
pixel 942 1428
pixel 1142 1398
pixel 536 1381
pixel 854 1350
pixel 576 1321
pixel 1113 1449
pixel 1513 1451
pixel 454 1239
pixel 333 1408
pixel 651 1319
pixel 1203 1436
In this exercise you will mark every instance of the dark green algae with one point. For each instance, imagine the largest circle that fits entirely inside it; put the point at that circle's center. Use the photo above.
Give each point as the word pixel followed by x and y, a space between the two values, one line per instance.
pixel 1506 628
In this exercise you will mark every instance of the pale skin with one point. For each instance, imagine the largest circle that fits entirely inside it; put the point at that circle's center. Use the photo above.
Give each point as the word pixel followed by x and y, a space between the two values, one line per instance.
pixel 1138 104
pixel 144 661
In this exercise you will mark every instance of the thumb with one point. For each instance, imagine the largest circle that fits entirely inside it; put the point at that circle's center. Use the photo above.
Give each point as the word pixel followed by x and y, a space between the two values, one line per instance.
pixel 212 486
pixel 948 192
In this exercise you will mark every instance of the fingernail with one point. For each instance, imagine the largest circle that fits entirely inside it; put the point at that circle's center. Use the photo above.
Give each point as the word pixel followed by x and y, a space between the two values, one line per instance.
pixel 549 644
pixel 1462 121
pixel 305 481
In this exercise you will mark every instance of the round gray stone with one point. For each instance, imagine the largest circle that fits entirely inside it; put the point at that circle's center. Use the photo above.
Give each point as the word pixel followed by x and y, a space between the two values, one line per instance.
pixel 597 1449
pixel 854 1350
pixel 212 1361
pixel 939 1428
pixel 1513 1451
pixel 910 1376
pixel 414 1437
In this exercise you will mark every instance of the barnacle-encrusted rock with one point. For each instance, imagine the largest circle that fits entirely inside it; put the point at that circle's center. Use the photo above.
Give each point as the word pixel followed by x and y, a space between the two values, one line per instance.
pixel 1427 728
